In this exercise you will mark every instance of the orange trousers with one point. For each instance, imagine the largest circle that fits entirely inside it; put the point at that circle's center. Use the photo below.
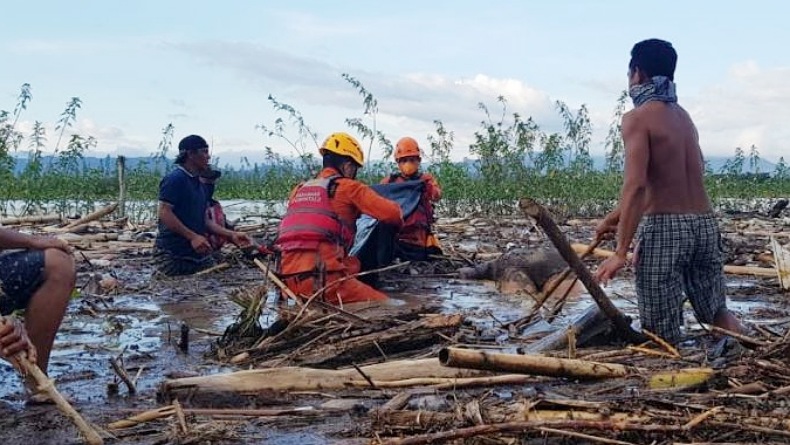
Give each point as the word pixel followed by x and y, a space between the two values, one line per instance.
pixel 345 292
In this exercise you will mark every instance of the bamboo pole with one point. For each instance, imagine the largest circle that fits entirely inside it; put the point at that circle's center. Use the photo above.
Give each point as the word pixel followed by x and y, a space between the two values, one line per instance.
pixel 728 268
pixel 47 386
pixel 34 219
pixel 622 324
pixel 306 379
pixel 93 216
pixel 532 364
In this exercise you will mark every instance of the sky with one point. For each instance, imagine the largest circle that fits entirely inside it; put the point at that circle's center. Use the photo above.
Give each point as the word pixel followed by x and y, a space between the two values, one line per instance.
pixel 208 67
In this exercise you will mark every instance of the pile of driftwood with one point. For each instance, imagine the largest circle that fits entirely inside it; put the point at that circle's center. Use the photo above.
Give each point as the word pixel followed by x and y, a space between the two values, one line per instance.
pixel 330 337
pixel 647 393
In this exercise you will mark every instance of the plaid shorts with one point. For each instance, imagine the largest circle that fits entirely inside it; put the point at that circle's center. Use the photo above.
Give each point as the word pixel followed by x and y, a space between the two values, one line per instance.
pixel 679 256
pixel 21 274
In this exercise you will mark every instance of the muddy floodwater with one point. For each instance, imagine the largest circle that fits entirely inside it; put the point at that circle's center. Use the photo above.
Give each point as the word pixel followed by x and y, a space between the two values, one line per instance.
pixel 142 318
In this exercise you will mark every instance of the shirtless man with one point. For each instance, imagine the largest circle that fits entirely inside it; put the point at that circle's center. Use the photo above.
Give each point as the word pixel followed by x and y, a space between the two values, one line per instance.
pixel 678 243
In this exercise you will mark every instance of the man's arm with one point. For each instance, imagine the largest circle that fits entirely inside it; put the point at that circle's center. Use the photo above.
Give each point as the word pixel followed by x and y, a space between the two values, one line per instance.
pixel 171 221
pixel 632 201
pixel 238 238
pixel 11 239
pixel 371 203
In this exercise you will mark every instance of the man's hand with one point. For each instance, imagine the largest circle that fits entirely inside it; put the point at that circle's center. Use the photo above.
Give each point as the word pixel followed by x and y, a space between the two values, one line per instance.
pixel 200 244
pixel 609 268
pixel 43 243
pixel 607 228
pixel 13 340
pixel 240 239
pixel 431 187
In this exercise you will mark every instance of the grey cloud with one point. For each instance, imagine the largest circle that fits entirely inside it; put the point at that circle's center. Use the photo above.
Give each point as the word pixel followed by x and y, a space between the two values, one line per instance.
pixel 259 62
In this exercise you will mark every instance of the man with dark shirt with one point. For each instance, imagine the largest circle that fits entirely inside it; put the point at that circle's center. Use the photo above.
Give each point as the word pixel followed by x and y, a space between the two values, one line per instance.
pixel 182 246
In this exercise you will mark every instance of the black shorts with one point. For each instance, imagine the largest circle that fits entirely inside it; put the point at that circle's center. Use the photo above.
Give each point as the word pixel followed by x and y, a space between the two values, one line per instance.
pixel 21 274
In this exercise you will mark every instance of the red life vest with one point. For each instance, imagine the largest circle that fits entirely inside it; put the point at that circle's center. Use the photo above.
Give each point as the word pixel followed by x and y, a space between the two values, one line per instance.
pixel 311 220
pixel 214 213
pixel 422 216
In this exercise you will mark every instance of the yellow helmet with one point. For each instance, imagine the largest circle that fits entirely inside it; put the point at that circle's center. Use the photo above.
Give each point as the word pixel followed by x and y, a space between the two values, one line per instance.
pixel 343 144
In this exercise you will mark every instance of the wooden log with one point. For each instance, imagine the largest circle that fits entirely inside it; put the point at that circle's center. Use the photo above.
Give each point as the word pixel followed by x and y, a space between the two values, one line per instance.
pixel 728 268
pixel 33 219
pixel 532 364
pixel 93 216
pixel 305 379
pixel 587 325
pixel 47 386
pixel 622 324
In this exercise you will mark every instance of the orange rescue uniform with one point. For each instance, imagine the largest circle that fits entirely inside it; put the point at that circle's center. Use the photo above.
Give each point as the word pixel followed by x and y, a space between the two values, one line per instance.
pixel 299 267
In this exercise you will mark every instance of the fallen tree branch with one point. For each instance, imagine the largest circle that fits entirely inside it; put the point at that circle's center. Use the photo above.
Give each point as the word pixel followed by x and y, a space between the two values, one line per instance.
pixel 622 324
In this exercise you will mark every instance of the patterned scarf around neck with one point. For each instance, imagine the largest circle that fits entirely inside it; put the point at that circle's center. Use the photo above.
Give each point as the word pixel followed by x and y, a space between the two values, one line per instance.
pixel 659 88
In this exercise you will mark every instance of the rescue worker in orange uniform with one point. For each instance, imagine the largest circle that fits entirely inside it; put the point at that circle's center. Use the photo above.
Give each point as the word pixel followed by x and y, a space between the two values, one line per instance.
pixel 319 225
pixel 416 240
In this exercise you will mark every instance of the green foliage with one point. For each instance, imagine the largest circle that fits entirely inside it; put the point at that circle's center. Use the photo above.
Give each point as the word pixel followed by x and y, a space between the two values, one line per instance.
pixel 514 158
pixel 613 146
pixel 370 108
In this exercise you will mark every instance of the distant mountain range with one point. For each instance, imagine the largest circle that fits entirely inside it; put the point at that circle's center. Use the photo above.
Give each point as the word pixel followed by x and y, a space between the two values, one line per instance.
pixel 108 163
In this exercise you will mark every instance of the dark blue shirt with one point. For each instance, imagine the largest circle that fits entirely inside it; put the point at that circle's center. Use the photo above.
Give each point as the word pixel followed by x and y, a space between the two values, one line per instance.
pixel 189 199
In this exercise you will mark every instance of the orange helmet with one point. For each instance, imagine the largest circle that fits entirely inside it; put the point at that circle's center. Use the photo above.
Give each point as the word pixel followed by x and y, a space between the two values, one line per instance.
pixel 406 147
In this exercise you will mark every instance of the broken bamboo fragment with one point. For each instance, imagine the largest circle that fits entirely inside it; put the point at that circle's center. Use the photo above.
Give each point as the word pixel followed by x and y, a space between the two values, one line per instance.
pixel 306 379
pixel 169 410
pixel 46 386
pixel 521 427
pixel 542 217
pixel 98 214
pixel 34 219
pixel 681 378
pixel 728 268
pixel 532 364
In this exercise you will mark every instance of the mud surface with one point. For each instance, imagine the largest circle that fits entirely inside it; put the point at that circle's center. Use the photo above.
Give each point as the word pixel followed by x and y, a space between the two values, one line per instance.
pixel 141 320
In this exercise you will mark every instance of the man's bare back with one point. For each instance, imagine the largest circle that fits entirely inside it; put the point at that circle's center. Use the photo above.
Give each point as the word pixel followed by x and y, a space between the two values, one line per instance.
pixel 677 254
pixel 675 168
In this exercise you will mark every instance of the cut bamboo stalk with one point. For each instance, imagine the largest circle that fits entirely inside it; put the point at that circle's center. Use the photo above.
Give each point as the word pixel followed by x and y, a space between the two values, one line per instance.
pixel 782 261
pixel 274 279
pixel 93 216
pixel 34 219
pixel 115 362
pixel 47 386
pixel 622 324
pixel 681 379
pixel 532 364
pixel 728 268
pixel 306 379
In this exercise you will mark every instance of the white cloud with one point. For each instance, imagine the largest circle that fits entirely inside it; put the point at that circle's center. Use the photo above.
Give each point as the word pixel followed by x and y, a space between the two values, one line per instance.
pixel 749 107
